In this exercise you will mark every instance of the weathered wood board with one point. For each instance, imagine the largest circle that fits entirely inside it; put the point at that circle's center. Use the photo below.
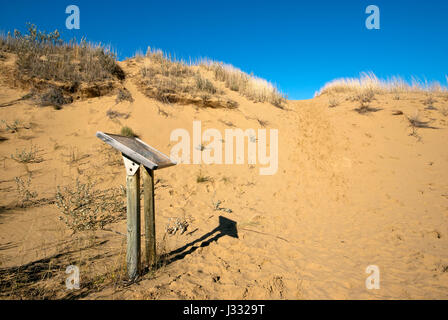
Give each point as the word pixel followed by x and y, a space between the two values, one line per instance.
pixel 137 150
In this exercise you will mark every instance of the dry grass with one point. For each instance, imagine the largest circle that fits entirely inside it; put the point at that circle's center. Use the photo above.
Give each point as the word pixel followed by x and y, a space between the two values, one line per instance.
pixel 54 97
pixel 112 114
pixel 85 208
pixel 369 82
pixel 171 81
pixel 12 127
pixel 25 155
pixel 45 56
pixel 201 178
pixel 67 70
pixel 124 95
pixel 333 102
pixel 415 123
pixel 254 88
pixel 25 195
pixel 45 278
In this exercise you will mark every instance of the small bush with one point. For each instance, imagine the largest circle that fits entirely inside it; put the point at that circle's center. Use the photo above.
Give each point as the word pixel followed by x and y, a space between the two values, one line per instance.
pixel 176 224
pixel 27 155
pixel 84 208
pixel 429 101
pixel 54 97
pixel 26 196
pixel 124 95
pixel 416 122
pixel 333 102
pixel 205 85
pixel 202 178
pixel 112 114
pixel 12 127
pixel 365 97
pixel 127 132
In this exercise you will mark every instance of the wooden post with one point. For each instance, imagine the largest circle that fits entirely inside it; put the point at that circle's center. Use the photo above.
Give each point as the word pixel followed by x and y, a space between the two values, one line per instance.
pixel 136 153
pixel 133 225
pixel 148 209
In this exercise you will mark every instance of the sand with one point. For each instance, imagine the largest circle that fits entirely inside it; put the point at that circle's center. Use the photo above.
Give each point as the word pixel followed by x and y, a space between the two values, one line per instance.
pixel 352 190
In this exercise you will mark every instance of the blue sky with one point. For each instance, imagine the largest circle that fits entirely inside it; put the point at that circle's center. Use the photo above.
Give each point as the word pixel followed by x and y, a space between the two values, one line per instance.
pixel 298 45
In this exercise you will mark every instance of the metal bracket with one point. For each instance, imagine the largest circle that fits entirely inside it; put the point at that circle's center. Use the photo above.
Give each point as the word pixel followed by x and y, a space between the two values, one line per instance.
pixel 131 166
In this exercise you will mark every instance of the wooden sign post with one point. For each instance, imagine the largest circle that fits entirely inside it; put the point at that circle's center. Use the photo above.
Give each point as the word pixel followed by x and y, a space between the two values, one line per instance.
pixel 136 153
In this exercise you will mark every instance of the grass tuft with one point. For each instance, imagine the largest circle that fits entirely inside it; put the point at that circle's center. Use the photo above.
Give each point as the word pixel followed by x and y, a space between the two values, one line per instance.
pixel 128 132
pixel 369 82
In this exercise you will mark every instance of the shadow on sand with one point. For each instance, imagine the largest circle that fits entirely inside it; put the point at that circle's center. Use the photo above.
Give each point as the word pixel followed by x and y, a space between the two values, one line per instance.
pixel 226 227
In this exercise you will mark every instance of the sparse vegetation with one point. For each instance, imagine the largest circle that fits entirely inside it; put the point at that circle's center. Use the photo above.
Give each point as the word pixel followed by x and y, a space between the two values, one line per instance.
pixel 124 95
pixel 26 196
pixel 61 70
pixel 176 224
pixel 171 81
pixel 370 82
pixel 217 207
pixel 415 123
pixel 54 97
pixel 365 98
pixel 225 179
pixel 429 102
pixel 227 123
pixel 27 155
pixel 254 88
pixel 200 178
pixel 112 114
pixel 205 85
pixel 333 102
pixel 11 127
pixel 127 132
pixel 45 56
pixel 84 208
pixel 75 156
pixel 112 157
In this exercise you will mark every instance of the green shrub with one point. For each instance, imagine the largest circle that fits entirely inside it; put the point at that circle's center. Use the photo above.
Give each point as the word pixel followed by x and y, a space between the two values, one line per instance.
pixel 127 132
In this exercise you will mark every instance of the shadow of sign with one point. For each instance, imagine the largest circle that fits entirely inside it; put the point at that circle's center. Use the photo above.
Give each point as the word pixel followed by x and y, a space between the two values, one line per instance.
pixel 226 227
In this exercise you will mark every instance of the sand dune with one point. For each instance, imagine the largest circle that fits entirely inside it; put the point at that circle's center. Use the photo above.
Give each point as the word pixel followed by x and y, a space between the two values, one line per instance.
pixel 352 190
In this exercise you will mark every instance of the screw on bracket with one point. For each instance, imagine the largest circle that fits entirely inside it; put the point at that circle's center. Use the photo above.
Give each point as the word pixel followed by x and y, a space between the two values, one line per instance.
pixel 131 166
